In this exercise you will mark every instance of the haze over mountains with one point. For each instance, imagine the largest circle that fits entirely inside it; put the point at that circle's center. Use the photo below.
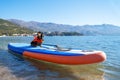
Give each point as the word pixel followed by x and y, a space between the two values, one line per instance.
pixel 103 29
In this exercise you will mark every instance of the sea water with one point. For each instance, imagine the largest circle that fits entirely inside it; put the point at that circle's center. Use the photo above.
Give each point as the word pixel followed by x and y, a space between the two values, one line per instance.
pixel 14 67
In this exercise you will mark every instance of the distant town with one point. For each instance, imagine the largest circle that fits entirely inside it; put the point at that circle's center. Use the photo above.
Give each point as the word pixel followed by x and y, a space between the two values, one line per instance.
pixel 46 34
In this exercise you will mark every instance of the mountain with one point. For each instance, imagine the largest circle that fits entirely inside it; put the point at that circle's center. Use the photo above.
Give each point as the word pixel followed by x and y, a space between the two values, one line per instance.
pixel 45 27
pixel 8 28
pixel 103 29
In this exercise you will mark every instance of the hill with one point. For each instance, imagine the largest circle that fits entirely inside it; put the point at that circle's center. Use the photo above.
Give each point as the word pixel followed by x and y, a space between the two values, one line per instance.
pixel 9 28
pixel 103 29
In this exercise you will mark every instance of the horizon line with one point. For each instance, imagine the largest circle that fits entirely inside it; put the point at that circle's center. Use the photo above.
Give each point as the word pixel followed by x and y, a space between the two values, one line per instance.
pixel 61 23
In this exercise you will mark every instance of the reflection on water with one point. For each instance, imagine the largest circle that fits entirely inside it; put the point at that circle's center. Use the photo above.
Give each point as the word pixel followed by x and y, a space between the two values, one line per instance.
pixel 51 71
pixel 18 68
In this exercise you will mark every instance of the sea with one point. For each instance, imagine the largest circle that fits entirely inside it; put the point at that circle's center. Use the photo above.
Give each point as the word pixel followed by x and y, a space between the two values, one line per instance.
pixel 13 67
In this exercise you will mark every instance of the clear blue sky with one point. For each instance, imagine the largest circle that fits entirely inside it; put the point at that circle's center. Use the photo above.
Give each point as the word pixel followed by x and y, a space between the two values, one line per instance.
pixel 73 12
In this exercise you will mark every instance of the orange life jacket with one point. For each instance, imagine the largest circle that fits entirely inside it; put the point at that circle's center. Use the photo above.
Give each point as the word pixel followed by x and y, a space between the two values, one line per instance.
pixel 36 39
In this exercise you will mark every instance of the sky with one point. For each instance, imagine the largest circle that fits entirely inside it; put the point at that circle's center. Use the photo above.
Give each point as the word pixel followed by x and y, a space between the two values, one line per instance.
pixel 72 12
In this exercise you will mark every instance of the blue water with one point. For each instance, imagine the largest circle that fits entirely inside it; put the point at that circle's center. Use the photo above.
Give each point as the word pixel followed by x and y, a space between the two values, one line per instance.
pixel 13 67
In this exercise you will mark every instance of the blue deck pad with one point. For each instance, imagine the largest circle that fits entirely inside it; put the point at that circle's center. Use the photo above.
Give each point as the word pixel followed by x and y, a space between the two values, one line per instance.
pixel 21 47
